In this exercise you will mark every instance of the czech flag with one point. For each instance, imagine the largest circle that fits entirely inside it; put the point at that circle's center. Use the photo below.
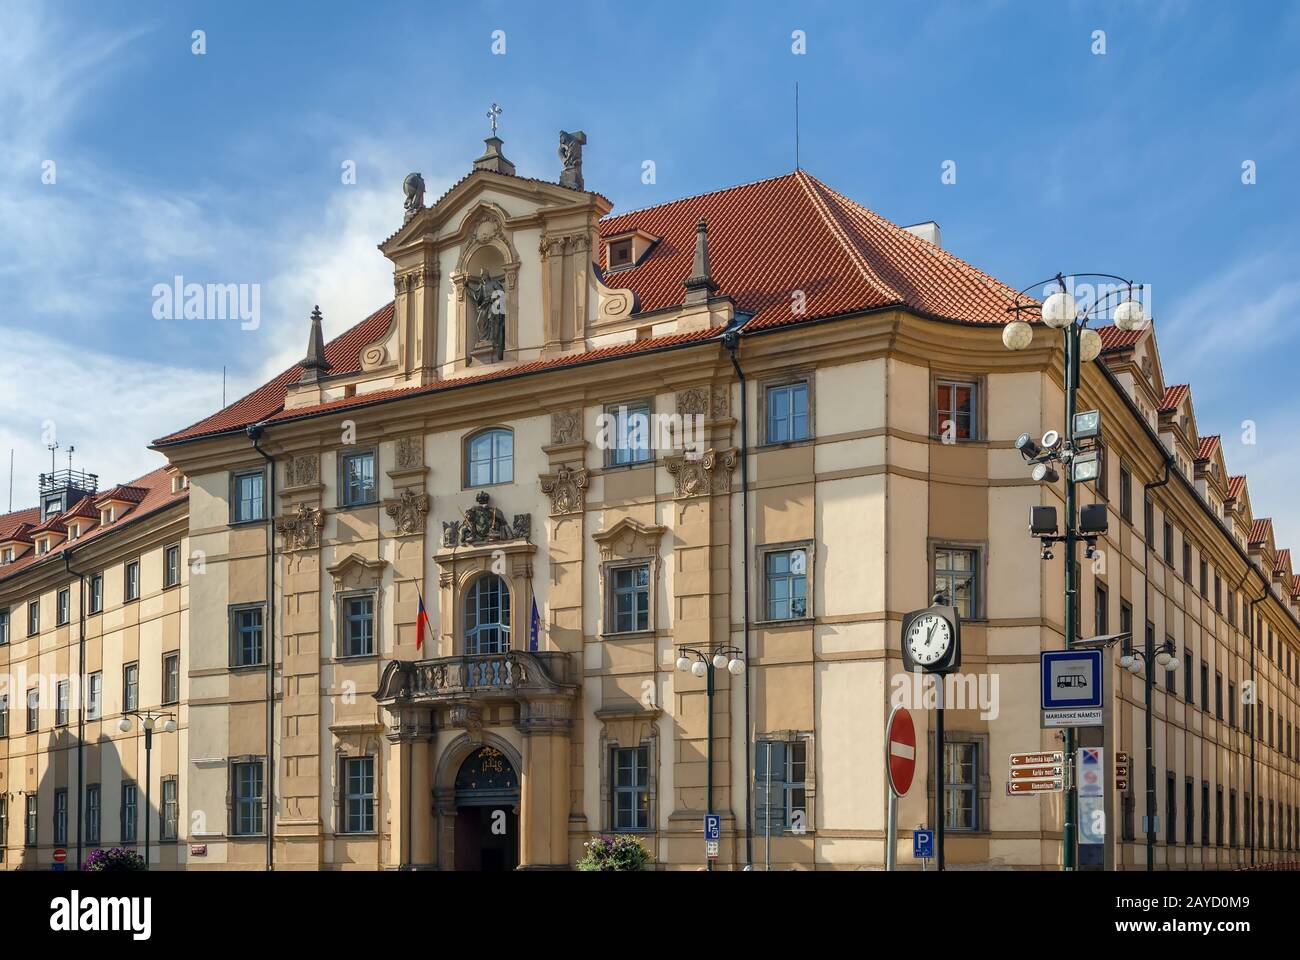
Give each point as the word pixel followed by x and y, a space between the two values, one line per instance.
pixel 421 621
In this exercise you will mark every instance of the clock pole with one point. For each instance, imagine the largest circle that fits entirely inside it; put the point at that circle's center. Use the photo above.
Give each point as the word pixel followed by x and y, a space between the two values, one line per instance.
pixel 939 798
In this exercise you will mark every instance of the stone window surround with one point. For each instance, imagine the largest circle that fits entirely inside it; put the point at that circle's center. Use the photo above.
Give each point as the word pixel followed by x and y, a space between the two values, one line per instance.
pixel 809 739
pixel 979 409
pixel 794 375
pixel 611 409
pixel 620 728
pixel 467 438
pixel 460 567
pixel 809 547
pixel 607 569
pixel 983 782
pixel 630 543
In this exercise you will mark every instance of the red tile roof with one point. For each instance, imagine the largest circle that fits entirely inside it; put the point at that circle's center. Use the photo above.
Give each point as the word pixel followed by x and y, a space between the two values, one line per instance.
pixel 1173 397
pixel 18 525
pixel 1235 485
pixel 1282 563
pixel 52 524
pixel 766 240
pixel 158 496
pixel 1114 339
pixel 1208 446
pixel 123 492
pixel 1260 531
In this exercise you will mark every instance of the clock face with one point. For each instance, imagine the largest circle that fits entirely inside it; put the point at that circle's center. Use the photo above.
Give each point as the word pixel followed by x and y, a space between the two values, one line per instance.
pixel 928 639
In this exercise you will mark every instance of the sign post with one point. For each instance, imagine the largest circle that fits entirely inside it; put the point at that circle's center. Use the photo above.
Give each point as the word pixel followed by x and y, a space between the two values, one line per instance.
pixel 900 767
pixel 922 845
pixel 712 835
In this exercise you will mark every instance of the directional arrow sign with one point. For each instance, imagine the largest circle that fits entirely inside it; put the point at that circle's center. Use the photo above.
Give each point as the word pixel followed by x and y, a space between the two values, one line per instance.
pixel 1036 759
pixel 1036 773
pixel 1034 786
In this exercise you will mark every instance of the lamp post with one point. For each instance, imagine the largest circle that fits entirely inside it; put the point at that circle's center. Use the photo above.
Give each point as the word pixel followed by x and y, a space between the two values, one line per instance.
pixel 1133 661
pixel 1082 344
pixel 148 720
pixel 702 663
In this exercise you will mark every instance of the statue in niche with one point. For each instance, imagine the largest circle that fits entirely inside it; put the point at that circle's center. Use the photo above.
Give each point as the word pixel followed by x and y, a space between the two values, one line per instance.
pixel 570 151
pixel 489 299
pixel 413 187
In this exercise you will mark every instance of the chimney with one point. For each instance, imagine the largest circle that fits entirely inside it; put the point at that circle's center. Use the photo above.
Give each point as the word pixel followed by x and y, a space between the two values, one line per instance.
pixel 929 231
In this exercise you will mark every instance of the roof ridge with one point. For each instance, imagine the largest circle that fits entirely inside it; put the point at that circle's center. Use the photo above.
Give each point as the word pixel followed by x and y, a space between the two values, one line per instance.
pixel 695 196
pixel 840 234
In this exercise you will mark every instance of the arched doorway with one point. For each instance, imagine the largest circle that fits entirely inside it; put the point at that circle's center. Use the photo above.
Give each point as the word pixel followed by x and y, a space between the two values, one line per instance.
pixel 487 812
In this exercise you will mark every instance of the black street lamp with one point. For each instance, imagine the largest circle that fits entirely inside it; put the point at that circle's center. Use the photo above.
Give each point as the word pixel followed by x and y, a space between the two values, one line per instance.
pixel 1082 344
pixel 148 720
pixel 702 663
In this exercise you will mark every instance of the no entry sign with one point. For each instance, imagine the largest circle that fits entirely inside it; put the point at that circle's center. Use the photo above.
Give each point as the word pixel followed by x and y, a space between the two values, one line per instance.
pixel 60 855
pixel 900 740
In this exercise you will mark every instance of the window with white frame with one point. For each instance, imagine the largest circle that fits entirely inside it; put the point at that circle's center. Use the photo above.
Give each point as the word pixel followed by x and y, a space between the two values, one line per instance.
pixel 487 616
pixel 129 811
pixel 62 701
pixel 785 583
pixel 955 409
pixel 172 565
pixel 357 483
pixel 490 458
pixel 358 779
pixel 787 412
pixel 33 709
pixel 61 816
pixel 131 686
pixel 955 576
pixel 961 805
pixel 627 437
pixel 780 785
pixel 4 625
pixel 131 580
pixel 629 598
pixel 171 691
pixel 32 813
pixel 33 618
pixel 94 814
pixel 630 788
pixel 97 593
pixel 94 696
pixel 170 808
pixel 63 607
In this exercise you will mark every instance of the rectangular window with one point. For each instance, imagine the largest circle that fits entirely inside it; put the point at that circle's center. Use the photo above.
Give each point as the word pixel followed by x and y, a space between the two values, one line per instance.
pixel 1232 704
pixel 1218 694
pixel 131 686
pixel 620 253
pixel 1189 812
pixel 1169 543
pixel 247 498
pixel 1247 821
pixel 33 618
pixel 1218 594
pixel 4 625
pixel 357 485
pixel 1148 521
pixel 358 626
pixel 785 577
pixel 60 817
pixel 1125 617
pixel 1101 617
pixel 171 672
pixel 1187 561
pixel 1125 494
pixel 172 565
pixel 1205 579
pixel 63 607
pixel 955 573
pixel 129 811
pixel 954 410
pixel 1189 678
pixel 1102 483
pixel 1218 817
pixel 246 779
pixel 97 593
pixel 1171 686
pixel 32 812
pixel 4 731
pixel 1232 818
pixel 629 598
pixel 33 709
pixel 62 699
pixel 787 412
pixel 961 786
pixel 630 442
pixel 631 788
pixel 1205 813
pixel 1205 686
pixel 246 636
pixel 170 808
pixel 1232 608
pixel 779 784
pixel 358 794
pixel 131 580
pixel 94 814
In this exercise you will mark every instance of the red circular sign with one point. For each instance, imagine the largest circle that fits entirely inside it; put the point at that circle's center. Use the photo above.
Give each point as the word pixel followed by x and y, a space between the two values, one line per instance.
pixel 900 741
pixel 60 855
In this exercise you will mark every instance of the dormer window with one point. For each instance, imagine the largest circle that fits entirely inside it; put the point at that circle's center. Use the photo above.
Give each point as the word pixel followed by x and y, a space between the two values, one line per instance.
pixel 7 555
pixel 53 507
pixel 42 546
pixel 620 253
pixel 106 516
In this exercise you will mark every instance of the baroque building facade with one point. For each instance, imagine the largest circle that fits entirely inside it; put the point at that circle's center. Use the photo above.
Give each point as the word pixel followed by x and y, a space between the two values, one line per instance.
pixel 450 561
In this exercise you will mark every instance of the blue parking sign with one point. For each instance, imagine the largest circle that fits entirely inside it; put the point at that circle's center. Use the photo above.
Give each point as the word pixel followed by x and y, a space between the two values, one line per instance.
pixel 922 844
pixel 712 826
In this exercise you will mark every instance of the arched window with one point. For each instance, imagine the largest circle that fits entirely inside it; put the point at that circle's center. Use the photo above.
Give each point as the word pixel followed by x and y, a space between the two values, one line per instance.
pixel 487 616
pixel 490 458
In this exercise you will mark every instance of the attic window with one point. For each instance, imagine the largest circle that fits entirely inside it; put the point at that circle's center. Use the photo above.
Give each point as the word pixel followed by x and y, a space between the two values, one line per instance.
pixel 7 556
pixel 620 253
pixel 42 546
pixel 106 515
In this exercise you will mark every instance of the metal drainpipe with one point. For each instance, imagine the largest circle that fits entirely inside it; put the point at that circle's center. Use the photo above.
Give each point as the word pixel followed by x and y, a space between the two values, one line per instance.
pixel 731 340
pixel 1254 727
pixel 1149 660
pixel 255 434
pixel 81 699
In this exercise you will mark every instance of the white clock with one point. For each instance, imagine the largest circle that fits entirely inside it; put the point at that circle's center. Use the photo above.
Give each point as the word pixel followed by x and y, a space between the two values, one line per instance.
pixel 928 639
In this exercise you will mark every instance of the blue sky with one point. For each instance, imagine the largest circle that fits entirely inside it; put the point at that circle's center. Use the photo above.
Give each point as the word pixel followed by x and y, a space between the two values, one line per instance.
pixel 226 167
